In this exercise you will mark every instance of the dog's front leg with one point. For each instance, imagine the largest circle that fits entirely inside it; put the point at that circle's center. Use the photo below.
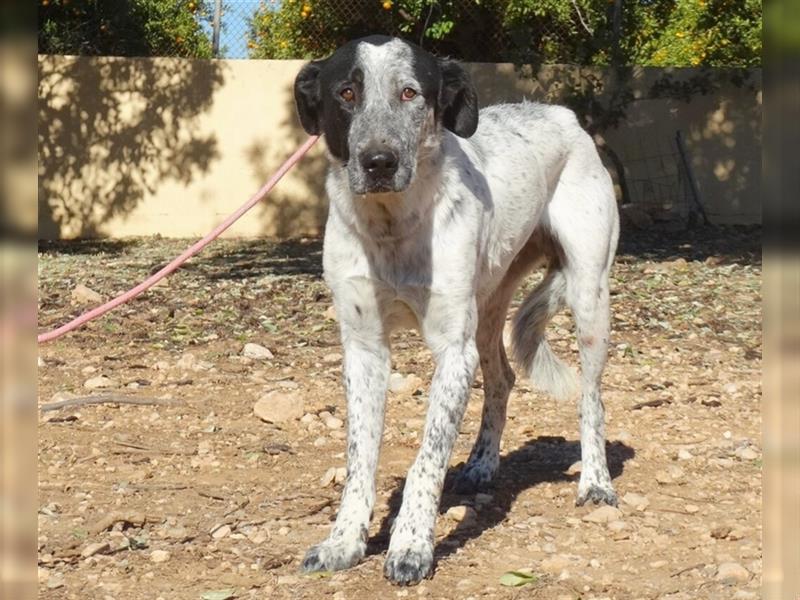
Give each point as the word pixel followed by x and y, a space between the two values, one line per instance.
pixel 410 556
pixel 366 375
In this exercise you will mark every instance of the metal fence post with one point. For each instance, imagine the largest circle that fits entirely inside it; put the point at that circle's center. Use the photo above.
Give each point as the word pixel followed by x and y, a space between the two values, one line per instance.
pixel 215 33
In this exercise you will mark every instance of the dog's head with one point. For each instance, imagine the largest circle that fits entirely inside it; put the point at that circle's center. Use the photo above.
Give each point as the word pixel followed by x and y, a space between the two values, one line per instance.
pixel 381 103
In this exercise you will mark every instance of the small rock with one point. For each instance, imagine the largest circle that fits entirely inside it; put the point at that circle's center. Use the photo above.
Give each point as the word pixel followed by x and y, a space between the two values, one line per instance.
pixel 320 441
pixel 341 475
pixel 574 468
pixel 334 358
pixel 403 384
pixel 186 361
pixel 461 513
pixel 636 501
pixel 159 556
pixel 684 454
pixel 328 478
pixel 97 548
pixel 221 532
pixel 308 418
pixel 731 573
pixel 287 580
pixel 330 313
pixel 55 582
pixel 99 382
pixel 278 407
pixel 691 508
pixel 617 526
pixel 161 365
pixel 256 352
pixel 747 453
pixel 657 564
pixel 333 423
pixel 555 564
pixel 604 514
pixel 84 295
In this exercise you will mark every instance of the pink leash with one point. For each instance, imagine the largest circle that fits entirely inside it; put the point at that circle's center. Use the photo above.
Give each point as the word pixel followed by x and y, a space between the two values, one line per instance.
pixel 186 255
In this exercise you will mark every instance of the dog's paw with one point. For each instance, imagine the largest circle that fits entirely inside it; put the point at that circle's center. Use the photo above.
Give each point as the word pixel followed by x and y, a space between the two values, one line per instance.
pixel 473 477
pixel 408 566
pixel 596 494
pixel 333 555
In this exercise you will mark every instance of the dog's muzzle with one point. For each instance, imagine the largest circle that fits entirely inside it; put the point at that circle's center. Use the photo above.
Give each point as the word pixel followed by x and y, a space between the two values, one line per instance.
pixel 380 166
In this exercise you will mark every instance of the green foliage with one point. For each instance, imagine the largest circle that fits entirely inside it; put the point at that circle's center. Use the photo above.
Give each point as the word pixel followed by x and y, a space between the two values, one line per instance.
pixel 124 27
pixel 653 32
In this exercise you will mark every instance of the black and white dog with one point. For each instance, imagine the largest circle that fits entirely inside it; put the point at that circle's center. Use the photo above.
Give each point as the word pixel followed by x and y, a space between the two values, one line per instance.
pixel 437 211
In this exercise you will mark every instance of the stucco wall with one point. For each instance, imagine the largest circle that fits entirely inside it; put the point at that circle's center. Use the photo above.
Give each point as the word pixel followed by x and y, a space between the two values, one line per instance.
pixel 171 146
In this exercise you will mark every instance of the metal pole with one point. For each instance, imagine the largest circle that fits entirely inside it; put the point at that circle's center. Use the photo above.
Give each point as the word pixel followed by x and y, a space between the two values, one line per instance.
pixel 215 35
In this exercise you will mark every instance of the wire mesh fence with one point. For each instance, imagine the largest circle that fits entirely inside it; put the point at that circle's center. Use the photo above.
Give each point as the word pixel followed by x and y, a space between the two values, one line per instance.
pixel 470 30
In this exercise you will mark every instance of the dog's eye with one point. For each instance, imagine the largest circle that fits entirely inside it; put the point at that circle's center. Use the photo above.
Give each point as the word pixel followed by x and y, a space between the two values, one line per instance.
pixel 347 94
pixel 408 94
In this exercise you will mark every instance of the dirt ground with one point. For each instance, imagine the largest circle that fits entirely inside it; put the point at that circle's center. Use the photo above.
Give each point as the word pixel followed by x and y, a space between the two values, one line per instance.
pixel 195 497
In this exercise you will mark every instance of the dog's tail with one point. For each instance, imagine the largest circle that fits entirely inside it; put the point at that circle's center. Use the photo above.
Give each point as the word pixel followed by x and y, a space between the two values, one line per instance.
pixel 531 350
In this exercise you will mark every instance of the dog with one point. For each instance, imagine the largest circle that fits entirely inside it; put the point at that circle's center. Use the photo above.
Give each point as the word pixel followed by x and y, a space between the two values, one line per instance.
pixel 437 212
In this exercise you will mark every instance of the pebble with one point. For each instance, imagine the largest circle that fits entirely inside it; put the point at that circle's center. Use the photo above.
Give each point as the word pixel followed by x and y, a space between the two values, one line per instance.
pixel 187 361
pixel 96 548
pixel 221 532
pixel 731 572
pixel 604 514
pixel 684 454
pixel 334 358
pixel 333 475
pixel 84 295
pixel 403 384
pixel 747 453
pixel 461 513
pixel 320 441
pixel 330 313
pixel 256 352
pixel 99 382
pixel 691 508
pixel 159 556
pixel 637 501
pixel 278 407
pixel 333 423
pixel 555 563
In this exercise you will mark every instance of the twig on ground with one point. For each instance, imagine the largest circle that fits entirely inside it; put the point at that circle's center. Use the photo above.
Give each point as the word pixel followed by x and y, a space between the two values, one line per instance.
pixel 105 399
pixel 651 404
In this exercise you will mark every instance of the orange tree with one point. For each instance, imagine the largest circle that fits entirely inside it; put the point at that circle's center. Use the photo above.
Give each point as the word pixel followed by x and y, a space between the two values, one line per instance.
pixel 124 27
pixel 652 32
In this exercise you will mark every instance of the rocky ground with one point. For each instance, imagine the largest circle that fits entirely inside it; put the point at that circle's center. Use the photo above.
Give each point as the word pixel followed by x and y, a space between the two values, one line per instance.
pixel 214 487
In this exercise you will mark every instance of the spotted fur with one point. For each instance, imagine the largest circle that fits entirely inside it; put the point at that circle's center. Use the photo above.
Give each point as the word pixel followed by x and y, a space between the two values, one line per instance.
pixel 437 211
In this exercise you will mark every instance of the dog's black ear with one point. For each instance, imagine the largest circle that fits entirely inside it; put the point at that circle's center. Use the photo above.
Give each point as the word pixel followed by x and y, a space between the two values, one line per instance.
pixel 308 97
pixel 458 100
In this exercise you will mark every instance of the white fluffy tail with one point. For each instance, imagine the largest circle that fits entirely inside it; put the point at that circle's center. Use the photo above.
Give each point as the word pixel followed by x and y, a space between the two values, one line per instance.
pixel 547 372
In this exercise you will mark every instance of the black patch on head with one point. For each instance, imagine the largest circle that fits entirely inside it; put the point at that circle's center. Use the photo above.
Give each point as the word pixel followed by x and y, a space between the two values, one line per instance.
pixel 444 84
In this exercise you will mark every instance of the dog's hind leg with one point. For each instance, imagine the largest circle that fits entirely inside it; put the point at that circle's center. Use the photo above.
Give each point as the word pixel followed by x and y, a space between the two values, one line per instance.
pixel 498 379
pixel 584 218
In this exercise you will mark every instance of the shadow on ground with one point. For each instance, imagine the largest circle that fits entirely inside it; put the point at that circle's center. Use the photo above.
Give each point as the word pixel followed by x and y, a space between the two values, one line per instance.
pixel 540 460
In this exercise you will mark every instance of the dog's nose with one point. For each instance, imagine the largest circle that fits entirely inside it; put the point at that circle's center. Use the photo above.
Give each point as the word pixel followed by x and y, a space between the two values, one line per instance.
pixel 379 163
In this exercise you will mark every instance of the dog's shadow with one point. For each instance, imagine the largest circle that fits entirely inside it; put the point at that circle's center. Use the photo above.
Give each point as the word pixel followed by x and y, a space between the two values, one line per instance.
pixel 540 460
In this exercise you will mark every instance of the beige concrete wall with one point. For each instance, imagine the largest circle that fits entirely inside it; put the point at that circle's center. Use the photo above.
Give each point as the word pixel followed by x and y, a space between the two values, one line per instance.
pixel 171 146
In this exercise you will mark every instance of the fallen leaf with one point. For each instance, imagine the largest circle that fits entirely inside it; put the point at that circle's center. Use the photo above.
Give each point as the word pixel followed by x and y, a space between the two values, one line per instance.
pixel 516 578
pixel 219 594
